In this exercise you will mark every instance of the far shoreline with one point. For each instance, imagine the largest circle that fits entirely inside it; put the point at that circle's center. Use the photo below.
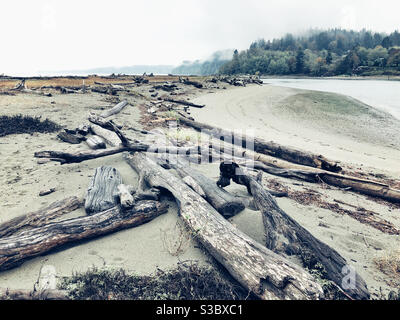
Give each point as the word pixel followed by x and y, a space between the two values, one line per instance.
pixel 343 77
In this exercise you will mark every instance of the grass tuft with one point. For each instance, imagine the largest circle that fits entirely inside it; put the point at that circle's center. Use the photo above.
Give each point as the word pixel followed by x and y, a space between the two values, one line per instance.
pixel 389 264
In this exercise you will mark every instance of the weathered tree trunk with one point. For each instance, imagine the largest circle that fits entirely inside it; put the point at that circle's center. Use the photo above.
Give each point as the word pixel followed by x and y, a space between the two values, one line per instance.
pixel 40 217
pixel 116 109
pixel 111 137
pixel 285 236
pixel 224 202
pixel 14 250
pixel 257 268
pixel 80 156
pixel 103 189
pixel 261 146
pixel 194 185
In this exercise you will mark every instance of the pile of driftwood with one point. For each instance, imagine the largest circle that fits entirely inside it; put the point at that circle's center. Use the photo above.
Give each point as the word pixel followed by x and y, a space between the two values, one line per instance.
pixel 239 81
pixel 114 88
pixel 268 271
pixel 204 206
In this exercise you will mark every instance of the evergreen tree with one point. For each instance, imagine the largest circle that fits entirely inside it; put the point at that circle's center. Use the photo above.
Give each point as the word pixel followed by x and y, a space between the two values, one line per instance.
pixel 300 60
pixel 386 42
pixel 329 58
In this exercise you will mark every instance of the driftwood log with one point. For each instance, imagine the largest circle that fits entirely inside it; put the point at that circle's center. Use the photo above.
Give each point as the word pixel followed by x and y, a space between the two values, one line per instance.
pixel 70 137
pixel 103 189
pixel 109 125
pixel 224 202
pixel 185 103
pixel 40 217
pixel 257 268
pixel 194 185
pixel 265 147
pixel 118 108
pixel 286 237
pixel 14 250
pixel 20 85
pixel 80 156
pixel 109 136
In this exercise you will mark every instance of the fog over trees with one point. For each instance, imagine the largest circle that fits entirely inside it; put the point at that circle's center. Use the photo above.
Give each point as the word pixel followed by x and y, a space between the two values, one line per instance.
pixel 320 53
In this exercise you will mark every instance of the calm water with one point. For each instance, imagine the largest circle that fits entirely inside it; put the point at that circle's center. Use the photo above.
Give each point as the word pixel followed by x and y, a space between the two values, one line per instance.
pixel 381 94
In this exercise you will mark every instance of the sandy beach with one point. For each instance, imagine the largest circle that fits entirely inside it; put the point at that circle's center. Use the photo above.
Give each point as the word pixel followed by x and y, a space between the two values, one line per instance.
pixel 335 126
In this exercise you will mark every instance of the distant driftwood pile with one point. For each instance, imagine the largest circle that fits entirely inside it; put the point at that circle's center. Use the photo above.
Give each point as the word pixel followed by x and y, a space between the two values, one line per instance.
pixel 204 205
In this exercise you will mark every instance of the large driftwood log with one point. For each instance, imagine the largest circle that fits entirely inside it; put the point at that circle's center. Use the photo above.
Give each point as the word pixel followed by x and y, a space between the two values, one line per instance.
pixel 109 136
pixel 103 189
pixel 40 217
pixel 14 250
pixel 80 156
pixel 285 236
pixel 224 202
pixel 116 109
pixel 104 90
pixel 261 146
pixel 257 268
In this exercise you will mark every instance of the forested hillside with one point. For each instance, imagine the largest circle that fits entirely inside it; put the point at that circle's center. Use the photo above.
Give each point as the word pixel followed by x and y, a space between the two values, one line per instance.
pixel 320 53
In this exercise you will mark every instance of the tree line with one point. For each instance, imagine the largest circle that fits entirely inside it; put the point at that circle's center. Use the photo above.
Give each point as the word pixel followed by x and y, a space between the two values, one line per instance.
pixel 320 53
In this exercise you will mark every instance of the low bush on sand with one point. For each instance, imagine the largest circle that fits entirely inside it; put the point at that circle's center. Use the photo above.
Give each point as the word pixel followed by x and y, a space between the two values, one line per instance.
pixel 188 281
pixel 25 124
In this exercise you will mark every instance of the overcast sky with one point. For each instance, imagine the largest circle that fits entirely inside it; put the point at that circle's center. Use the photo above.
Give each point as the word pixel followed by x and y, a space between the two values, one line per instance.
pixel 81 34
